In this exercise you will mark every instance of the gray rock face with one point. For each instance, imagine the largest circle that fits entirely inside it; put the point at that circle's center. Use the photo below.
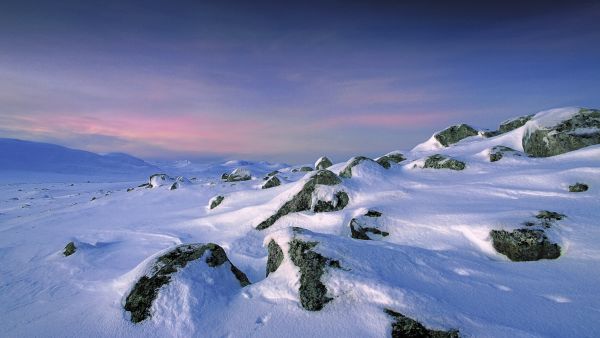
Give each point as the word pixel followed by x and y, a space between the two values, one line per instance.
pixel 582 130
pixel 215 201
pixel 271 182
pixel 302 201
pixel 346 172
pixel 275 257
pixel 524 245
pixel 387 160
pixel 513 124
pixel 339 202
pixel 323 163
pixel 498 152
pixel 70 249
pixel 578 187
pixel 140 299
pixel 454 134
pixel 405 327
pixel 239 174
pixel 438 161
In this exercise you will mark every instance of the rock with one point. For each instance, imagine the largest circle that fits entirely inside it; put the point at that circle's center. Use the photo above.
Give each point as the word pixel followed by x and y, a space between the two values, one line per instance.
pixel 303 200
pixel 578 187
pixel 454 134
pixel 145 185
pixel 438 161
pixel 373 213
pixel 323 163
pixel 174 186
pixel 129 189
pixel 497 152
pixel 273 173
pixel 239 174
pixel 302 169
pixel 360 229
pixel 405 327
pixel 490 133
pixel 548 218
pixel 275 257
pixel 524 245
pixel 340 201
pixel 581 130
pixel 387 160
pixel 512 124
pixel 313 293
pixel 70 249
pixel 158 180
pixel 224 176
pixel 215 201
pixel 139 301
pixel 273 181
pixel 346 172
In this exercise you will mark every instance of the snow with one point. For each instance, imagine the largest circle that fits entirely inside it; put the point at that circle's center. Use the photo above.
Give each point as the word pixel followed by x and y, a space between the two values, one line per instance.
pixel 437 265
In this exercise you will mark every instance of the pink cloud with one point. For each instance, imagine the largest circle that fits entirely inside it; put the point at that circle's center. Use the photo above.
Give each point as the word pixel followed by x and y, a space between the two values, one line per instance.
pixel 383 120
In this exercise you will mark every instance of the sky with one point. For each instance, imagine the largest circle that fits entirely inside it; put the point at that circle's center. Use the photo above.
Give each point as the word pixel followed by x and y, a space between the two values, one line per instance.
pixel 285 81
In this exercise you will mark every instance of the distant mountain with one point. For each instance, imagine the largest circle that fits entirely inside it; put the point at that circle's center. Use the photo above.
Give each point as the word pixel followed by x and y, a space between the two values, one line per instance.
pixel 28 156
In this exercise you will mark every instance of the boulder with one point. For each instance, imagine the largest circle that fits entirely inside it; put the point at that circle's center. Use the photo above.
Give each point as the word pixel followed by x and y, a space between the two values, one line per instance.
pixel 338 202
pixel 302 169
pixel 275 257
pixel 438 161
pixel 224 176
pixel 215 201
pixel 346 172
pixel 303 200
pixel 405 327
pixel 524 245
pixel 387 160
pixel 514 123
pixel 323 163
pixel 498 152
pixel 581 130
pixel 175 186
pixel 239 174
pixel 373 213
pixel 454 134
pixel 272 173
pixel 273 181
pixel 578 187
pixel 360 228
pixel 139 300
pixel 70 249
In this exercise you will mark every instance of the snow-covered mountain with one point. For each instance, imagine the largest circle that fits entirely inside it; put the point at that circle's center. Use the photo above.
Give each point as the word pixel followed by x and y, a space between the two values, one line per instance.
pixel 474 233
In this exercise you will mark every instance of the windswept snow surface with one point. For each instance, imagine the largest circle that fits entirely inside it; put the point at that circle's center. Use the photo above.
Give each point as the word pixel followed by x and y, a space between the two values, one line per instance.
pixel 437 265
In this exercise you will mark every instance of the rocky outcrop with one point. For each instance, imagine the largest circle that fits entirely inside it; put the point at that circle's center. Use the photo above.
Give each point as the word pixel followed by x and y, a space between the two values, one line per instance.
pixel 405 327
pixel 346 172
pixel 387 160
pixel 338 202
pixel 175 186
pixel 581 130
pixel 303 200
pixel 140 299
pixel 302 169
pixel 215 201
pixel 361 228
pixel 275 257
pixel 454 134
pixel 498 152
pixel 158 180
pixel 578 187
pixel 70 249
pixel 271 182
pixel 239 174
pixel 323 163
pixel 524 245
pixel 512 124
pixel 438 161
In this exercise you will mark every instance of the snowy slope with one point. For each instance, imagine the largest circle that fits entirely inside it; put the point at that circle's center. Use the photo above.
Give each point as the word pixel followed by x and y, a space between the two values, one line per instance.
pixel 437 265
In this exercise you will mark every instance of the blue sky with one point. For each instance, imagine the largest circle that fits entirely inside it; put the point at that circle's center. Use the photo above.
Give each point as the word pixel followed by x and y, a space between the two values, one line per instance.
pixel 285 81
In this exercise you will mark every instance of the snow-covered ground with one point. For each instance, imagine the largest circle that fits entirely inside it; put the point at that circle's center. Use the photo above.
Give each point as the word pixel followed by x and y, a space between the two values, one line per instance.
pixel 437 265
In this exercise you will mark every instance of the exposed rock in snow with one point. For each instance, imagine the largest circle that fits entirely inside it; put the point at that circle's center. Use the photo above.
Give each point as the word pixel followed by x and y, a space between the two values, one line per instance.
pixel 438 161
pixel 393 157
pixel 405 327
pixel 559 131
pixel 239 174
pixel 361 227
pixel 160 271
pixel 158 180
pixel 271 182
pixel 514 123
pixel 524 245
pixel 346 172
pixel 323 163
pixel 454 134
pixel 302 169
pixel 275 257
pixel 578 187
pixel 498 152
pixel 215 201
pixel 70 249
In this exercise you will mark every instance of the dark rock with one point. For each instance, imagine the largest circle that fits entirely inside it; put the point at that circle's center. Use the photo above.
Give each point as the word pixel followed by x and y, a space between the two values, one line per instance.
pixel 405 327
pixel 174 186
pixel 346 172
pixel 302 200
pixel 215 201
pixel 323 163
pixel 70 249
pixel 224 176
pixel 275 257
pixel 373 213
pixel 145 185
pixel 524 245
pixel 239 174
pixel 578 187
pixel 139 301
pixel 438 161
pixel 273 173
pixel 273 181
pixel 339 202
pixel 129 189
pixel 490 133
pixel 387 160
pixel 313 293
pixel 581 130
pixel 93 198
pixel 302 169
pixel 497 152
pixel 454 134
pixel 360 230
pixel 513 124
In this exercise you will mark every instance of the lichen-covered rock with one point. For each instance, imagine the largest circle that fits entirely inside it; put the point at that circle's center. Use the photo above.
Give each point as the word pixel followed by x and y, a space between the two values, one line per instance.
pixel 140 299
pixel 273 181
pixel 405 327
pixel 275 257
pixel 338 202
pixel 360 229
pixel 313 293
pixel 70 249
pixel 302 169
pixel 454 134
pixel 387 160
pixel 303 200
pixel 438 161
pixel 524 245
pixel 215 201
pixel 489 133
pixel 578 187
pixel 581 130
pixel 323 163
pixel 512 124
pixel 346 172
pixel 239 174
pixel 497 152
